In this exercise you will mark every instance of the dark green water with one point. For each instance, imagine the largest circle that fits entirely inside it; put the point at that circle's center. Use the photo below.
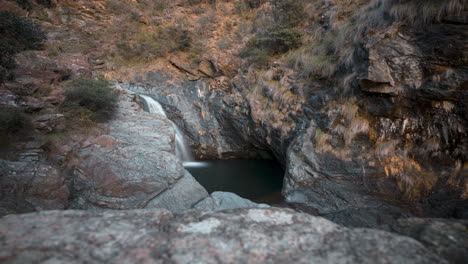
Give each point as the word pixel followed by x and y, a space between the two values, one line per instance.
pixel 258 180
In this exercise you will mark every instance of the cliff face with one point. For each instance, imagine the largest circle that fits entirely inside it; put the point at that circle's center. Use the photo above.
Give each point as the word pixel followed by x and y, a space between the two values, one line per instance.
pixel 400 137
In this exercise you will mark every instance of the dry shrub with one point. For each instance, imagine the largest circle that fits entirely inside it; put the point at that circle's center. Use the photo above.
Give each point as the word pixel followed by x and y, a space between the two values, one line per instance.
pixel 93 99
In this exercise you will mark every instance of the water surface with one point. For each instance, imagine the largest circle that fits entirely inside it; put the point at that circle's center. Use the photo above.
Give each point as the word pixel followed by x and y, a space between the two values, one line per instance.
pixel 257 180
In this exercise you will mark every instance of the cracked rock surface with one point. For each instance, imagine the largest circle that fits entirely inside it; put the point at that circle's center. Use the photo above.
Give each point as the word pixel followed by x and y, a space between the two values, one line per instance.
pixel 158 236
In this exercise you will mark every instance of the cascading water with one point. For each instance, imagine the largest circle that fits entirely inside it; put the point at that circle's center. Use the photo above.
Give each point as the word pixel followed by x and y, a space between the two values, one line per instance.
pixel 259 180
pixel 182 150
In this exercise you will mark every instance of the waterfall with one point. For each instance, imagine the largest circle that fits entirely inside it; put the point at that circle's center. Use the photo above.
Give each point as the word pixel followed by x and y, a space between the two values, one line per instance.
pixel 182 150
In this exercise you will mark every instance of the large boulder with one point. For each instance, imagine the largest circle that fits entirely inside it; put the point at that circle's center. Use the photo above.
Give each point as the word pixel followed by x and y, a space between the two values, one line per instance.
pixel 158 236
pixel 181 196
pixel 133 164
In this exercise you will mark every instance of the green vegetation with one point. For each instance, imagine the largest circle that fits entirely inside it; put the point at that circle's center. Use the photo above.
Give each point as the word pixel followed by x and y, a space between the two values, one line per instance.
pixel 18 34
pixel 259 56
pixel 243 6
pixel 13 123
pixel 205 24
pixel 90 99
pixel 276 40
pixel 277 36
pixel 224 44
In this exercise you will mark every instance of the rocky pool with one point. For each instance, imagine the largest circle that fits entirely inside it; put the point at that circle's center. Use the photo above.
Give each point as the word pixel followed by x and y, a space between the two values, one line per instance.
pixel 257 180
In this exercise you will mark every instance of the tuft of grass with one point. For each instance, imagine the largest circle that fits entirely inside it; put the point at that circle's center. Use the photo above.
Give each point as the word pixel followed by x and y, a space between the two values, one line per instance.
pixel 289 13
pixel 224 44
pixel 205 23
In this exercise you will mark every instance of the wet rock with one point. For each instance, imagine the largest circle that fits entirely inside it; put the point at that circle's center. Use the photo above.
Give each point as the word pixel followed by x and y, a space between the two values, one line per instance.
pixel 27 186
pixel 209 125
pixel 237 236
pixel 219 201
pixel 447 237
pixel 133 164
pixel 49 122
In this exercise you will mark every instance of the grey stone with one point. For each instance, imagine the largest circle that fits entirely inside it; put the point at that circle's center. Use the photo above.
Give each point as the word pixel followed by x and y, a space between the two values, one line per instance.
pixel 236 236
pixel 49 122
pixel 446 237
pixel 31 104
pixel 182 196
pixel 219 201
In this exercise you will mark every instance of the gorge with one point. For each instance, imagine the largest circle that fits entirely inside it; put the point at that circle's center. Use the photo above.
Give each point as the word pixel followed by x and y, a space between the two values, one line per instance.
pixel 256 180
pixel 226 131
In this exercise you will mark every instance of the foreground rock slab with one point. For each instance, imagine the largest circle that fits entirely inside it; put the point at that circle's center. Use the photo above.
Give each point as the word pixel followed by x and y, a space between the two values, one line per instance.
pixel 158 236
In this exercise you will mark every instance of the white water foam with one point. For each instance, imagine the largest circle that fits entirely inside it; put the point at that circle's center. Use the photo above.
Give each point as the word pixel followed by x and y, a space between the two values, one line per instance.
pixel 182 149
